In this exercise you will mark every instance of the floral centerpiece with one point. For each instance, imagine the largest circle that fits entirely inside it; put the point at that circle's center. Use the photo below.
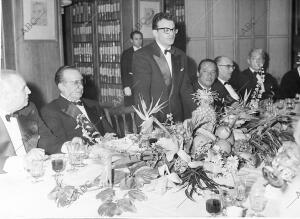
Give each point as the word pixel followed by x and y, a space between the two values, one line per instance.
pixel 191 154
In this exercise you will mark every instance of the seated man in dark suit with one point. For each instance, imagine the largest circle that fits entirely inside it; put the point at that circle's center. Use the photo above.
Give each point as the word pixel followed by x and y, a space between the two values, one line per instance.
pixel 226 93
pixel 21 128
pixel 207 74
pixel 251 78
pixel 70 115
pixel 290 82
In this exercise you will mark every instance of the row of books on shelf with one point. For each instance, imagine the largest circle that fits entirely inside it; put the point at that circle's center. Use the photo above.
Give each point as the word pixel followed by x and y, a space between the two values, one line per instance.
pixel 82 12
pixel 110 51
pixel 109 30
pixel 85 68
pixel 82 32
pixel 178 12
pixel 110 73
pixel 111 93
pixel 108 9
pixel 83 52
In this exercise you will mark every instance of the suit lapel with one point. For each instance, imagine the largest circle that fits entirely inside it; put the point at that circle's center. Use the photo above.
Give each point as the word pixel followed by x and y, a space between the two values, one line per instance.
pixel 162 63
pixel 29 130
pixel 92 116
pixel 6 147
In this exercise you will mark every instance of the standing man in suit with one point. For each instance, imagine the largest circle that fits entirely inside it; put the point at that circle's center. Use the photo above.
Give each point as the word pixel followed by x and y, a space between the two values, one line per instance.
pixel 136 38
pixel 226 93
pixel 159 72
pixel 64 114
pixel 207 74
pixel 250 78
pixel 21 128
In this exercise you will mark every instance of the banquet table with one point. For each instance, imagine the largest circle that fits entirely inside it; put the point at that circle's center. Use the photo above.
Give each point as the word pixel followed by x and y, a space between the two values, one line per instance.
pixel 23 198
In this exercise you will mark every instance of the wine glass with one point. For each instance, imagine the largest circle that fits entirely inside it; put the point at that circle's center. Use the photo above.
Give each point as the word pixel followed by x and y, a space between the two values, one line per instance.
pixel 240 188
pixel 214 204
pixel 280 104
pixel 58 163
pixel 290 104
pixel 37 170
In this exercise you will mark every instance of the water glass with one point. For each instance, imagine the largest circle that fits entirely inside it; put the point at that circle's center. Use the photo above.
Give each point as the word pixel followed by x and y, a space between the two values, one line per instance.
pixel 37 169
pixel 240 188
pixel 258 201
pixel 77 153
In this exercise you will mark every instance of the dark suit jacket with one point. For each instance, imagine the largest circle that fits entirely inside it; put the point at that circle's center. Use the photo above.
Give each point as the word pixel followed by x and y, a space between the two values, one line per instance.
pixel 34 134
pixel 60 116
pixel 224 98
pixel 126 74
pixel 241 81
pixel 150 73
pixel 290 84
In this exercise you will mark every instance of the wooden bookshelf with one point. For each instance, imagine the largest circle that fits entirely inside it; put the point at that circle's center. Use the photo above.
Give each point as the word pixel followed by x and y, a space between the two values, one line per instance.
pixel 95 44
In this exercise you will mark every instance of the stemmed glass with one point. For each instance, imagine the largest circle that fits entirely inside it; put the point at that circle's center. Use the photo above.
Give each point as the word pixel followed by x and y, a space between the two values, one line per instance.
pixel 58 163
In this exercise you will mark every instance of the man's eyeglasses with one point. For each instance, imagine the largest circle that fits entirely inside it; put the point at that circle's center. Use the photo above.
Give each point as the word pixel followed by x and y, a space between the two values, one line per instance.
pixel 167 30
pixel 77 82
pixel 228 66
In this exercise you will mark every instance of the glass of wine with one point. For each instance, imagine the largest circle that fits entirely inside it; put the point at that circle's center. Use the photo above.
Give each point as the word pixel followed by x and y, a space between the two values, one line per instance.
pixel 58 163
pixel 214 204
pixel 37 170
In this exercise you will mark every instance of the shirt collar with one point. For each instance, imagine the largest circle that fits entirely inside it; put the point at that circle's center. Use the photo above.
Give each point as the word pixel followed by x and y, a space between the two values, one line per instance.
pixel 203 87
pixel 162 48
pixel 298 70
pixel 222 81
pixel 136 48
pixel 67 98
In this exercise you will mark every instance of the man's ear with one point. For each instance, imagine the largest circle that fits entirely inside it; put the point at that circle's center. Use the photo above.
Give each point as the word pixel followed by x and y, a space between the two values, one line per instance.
pixel 248 60
pixel 60 87
pixel 154 32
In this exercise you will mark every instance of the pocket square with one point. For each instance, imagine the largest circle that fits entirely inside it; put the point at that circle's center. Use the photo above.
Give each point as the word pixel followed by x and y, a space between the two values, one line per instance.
pixel 130 73
pixel 181 69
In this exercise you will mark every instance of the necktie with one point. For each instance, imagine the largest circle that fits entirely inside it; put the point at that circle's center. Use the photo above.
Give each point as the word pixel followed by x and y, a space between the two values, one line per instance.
pixel 79 103
pixel 8 116
pixel 171 51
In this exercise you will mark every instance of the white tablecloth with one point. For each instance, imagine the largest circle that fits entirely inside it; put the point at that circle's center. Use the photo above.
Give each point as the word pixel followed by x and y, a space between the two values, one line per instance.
pixel 21 198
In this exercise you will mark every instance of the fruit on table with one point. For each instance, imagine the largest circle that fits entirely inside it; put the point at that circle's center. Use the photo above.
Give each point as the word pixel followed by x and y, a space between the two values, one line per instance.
pixel 223 132
pixel 222 145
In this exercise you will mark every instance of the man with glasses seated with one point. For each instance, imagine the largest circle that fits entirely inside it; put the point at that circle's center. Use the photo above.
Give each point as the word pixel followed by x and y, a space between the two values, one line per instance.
pixel 250 78
pixel 221 85
pixel 61 114
pixel 159 72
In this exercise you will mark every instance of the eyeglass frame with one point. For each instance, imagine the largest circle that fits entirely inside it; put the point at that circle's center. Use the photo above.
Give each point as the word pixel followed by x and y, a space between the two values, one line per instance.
pixel 77 82
pixel 167 30
pixel 229 66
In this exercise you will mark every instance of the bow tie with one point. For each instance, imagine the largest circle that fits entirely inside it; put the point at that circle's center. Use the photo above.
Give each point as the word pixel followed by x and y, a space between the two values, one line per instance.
pixel 226 82
pixel 8 116
pixel 79 103
pixel 171 51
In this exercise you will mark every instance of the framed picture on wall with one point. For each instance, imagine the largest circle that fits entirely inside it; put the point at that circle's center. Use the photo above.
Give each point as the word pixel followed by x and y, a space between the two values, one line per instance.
pixel 146 10
pixel 39 18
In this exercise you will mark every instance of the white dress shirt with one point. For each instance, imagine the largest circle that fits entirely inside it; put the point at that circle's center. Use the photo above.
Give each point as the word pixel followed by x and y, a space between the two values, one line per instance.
pixel 167 56
pixel 230 89
pixel 14 133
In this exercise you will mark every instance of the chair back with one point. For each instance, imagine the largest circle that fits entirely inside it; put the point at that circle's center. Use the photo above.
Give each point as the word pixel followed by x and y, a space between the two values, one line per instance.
pixel 122 119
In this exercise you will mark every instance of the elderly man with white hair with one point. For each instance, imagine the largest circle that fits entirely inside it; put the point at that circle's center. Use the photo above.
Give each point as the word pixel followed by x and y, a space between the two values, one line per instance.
pixel 22 132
